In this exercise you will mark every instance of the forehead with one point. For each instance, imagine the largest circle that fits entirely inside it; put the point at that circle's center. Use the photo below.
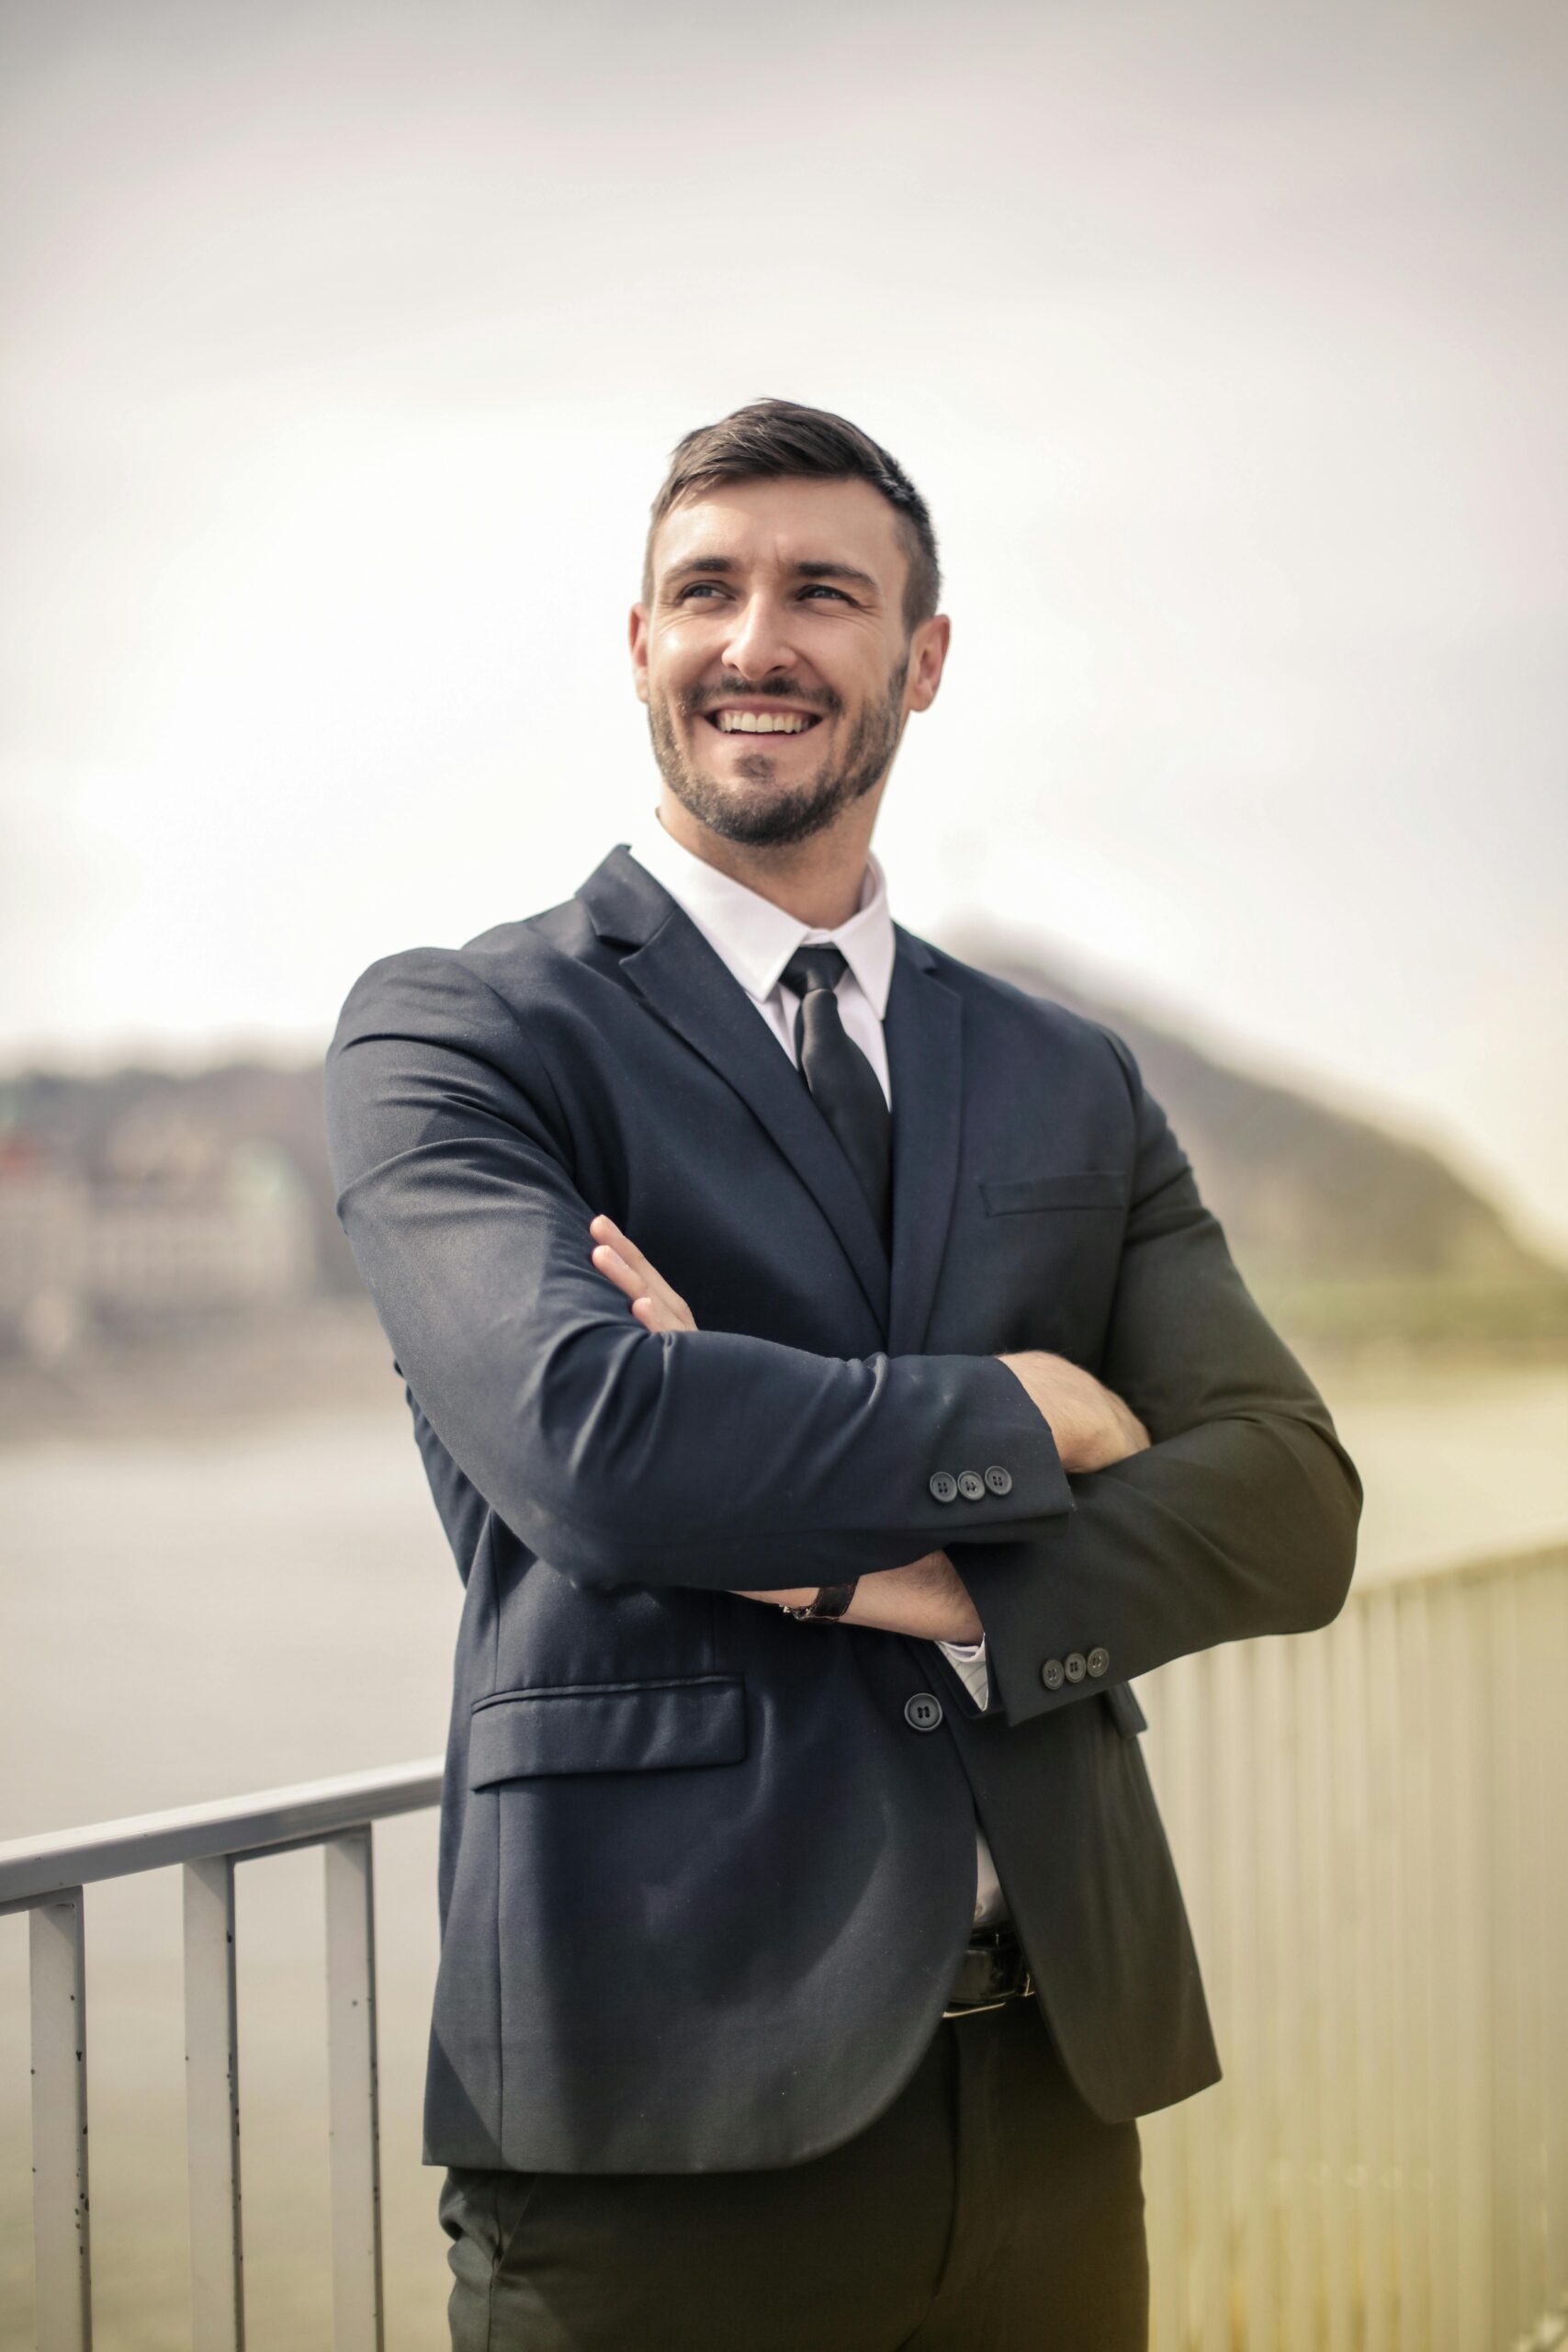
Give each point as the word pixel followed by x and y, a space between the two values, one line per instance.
pixel 782 523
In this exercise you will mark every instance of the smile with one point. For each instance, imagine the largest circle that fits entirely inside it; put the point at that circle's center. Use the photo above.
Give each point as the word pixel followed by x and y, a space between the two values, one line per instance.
pixel 760 722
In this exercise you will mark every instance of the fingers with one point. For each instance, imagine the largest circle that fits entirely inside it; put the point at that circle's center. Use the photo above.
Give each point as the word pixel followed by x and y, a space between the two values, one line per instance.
pixel 604 1229
pixel 644 1306
pixel 621 1259
pixel 609 1262
pixel 655 1304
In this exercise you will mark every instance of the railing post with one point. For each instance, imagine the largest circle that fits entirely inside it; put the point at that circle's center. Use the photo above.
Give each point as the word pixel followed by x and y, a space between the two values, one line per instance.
pixel 213 2107
pixel 58 1971
pixel 354 2121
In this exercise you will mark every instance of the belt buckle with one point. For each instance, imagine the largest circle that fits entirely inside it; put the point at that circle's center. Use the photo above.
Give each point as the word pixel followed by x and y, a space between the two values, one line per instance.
pixel 979 2008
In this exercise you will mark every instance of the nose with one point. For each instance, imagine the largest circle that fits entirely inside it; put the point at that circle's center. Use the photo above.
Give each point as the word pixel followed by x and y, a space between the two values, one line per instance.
pixel 757 642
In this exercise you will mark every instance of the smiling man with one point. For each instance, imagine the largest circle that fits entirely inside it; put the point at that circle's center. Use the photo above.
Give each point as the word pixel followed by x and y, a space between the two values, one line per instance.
pixel 829 693
pixel 834 1390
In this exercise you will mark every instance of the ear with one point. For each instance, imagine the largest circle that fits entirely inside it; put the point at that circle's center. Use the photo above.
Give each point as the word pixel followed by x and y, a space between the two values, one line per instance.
pixel 637 638
pixel 928 653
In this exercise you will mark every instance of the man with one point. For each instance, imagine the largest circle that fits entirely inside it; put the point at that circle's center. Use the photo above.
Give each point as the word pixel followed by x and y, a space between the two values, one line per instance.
pixel 749 1262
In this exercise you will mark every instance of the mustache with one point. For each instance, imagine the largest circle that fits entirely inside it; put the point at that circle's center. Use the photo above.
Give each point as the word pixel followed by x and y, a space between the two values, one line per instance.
pixel 694 700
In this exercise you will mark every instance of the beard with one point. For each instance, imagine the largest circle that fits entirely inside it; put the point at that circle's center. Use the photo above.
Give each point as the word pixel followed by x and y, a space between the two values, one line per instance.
pixel 748 805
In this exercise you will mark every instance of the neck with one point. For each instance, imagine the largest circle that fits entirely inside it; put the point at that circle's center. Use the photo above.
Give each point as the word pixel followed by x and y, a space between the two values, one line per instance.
pixel 818 881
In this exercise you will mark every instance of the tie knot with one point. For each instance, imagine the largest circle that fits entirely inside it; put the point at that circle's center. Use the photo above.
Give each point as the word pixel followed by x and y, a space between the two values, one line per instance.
pixel 813 967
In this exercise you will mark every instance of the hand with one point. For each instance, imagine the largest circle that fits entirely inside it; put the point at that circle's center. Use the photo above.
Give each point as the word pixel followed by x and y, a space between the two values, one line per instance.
pixel 655 1304
pixel 1091 1425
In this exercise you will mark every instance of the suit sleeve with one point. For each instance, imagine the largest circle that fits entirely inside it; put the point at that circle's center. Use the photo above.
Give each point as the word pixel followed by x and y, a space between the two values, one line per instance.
pixel 618 1454
pixel 1239 1519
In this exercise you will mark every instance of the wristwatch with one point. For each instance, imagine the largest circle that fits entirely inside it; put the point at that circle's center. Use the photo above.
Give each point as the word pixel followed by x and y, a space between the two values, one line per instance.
pixel 831 1601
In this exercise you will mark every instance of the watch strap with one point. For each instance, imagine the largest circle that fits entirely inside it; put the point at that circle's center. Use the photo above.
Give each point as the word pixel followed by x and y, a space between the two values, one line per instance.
pixel 832 1601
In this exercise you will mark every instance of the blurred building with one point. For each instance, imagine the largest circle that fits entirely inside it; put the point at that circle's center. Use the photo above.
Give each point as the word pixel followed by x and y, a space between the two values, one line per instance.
pixel 177 1223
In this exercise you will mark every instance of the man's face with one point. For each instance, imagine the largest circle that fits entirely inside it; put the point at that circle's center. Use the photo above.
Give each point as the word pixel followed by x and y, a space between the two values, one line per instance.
pixel 773 655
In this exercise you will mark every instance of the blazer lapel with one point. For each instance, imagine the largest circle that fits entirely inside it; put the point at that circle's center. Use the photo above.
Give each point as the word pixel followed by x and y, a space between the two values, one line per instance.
pixel 924 1030
pixel 693 992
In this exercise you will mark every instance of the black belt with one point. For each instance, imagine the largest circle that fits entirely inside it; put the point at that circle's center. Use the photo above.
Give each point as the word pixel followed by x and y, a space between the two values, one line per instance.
pixel 993 1970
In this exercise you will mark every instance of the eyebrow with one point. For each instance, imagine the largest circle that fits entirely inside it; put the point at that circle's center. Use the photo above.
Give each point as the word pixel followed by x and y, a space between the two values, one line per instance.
pixel 809 569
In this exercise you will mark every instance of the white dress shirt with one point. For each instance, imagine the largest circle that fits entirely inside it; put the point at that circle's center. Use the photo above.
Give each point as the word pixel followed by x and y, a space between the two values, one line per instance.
pixel 756 939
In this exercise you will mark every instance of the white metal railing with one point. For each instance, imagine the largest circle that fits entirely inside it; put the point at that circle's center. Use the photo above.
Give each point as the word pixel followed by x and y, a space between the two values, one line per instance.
pixel 1372 1830
pixel 45 1876
pixel 1371 1826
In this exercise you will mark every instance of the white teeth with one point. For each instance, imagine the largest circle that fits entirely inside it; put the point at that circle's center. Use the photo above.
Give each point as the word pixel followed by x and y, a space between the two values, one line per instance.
pixel 763 722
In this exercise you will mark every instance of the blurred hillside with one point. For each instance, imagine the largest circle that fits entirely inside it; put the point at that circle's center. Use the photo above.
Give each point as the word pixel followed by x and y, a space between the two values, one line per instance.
pixel 144 1207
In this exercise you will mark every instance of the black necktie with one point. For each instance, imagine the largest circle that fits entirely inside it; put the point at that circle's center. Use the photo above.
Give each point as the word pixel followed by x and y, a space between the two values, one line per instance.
pixel 844 1087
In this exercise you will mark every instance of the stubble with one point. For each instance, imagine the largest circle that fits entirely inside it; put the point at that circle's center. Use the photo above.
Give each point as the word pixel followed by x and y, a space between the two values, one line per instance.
pixel 749 804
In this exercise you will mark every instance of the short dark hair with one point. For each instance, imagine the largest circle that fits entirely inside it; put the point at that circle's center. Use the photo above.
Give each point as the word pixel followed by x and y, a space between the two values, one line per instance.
pixel 768 440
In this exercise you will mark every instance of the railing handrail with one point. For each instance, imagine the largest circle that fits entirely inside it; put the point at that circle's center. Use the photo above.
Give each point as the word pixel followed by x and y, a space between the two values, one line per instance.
pixel 1465 1567
pixel 308 1813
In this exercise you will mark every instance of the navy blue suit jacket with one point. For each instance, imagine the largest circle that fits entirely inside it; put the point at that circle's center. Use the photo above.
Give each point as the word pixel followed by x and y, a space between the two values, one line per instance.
pixel 704 1884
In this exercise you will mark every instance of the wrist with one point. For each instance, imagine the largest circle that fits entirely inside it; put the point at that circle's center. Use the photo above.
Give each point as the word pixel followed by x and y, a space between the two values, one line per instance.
pixel 926 1597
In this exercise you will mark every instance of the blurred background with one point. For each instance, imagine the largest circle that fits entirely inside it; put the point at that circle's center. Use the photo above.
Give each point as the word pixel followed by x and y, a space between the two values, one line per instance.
pixel 344 348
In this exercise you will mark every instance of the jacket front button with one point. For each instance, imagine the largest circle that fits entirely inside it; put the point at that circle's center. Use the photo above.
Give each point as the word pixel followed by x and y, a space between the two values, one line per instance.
pixel 943 1486
pixel 998 1480
pixel 971 1487
pixel 923 1712
pixel 1098 1661
pixel 1051 1674
pixel 1073 1666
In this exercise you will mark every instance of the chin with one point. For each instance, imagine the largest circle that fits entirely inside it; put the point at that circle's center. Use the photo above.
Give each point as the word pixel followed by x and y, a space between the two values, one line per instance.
pixel 761 812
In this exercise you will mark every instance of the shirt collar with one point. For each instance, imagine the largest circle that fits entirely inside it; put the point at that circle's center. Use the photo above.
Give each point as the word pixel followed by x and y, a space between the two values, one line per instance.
pixel 755 938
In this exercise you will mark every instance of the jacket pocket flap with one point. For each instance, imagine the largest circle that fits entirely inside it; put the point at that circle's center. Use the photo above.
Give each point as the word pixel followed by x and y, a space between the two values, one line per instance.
pixel 1080 1188
pixel 1126 1713
pixel 607 1727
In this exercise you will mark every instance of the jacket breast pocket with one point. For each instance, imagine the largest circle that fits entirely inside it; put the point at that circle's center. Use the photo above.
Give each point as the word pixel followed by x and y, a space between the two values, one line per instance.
pixel 1078 1188
pixel 607 1727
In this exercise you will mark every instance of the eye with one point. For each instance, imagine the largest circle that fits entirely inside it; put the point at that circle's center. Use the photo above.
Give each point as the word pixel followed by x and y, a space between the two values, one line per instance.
pixel 823 588
pixel 699 588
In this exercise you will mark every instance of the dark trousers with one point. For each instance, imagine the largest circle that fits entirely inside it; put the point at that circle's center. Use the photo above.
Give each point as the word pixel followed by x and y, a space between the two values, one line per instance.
pixel 988 2209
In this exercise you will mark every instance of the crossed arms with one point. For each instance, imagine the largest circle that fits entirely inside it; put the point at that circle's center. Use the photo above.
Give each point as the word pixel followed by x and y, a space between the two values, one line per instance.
pixel 622 1455
pixel 1091 1426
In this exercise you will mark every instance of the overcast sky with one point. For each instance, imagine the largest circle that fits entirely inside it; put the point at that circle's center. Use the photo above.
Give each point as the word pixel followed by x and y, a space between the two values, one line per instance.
pixel 345 346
